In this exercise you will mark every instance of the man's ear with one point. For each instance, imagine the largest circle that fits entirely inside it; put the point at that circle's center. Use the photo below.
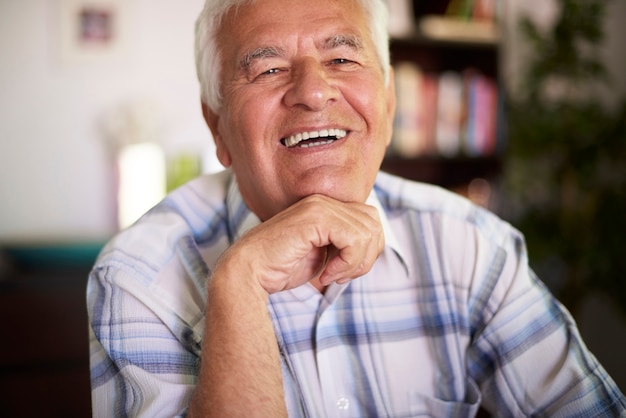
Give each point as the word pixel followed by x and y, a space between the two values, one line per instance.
pixel 212 119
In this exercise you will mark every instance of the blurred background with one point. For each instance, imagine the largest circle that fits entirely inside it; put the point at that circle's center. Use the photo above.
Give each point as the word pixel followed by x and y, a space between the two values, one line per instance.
pixel 100 116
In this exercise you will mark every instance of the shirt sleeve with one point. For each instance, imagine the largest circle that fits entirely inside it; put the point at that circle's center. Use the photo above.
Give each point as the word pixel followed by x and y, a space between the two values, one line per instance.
pixel 144 358
pixel 527 354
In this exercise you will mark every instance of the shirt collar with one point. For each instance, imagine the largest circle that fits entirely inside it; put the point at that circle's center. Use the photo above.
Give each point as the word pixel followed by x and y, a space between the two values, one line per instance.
pixel 242 219
pixel 391 240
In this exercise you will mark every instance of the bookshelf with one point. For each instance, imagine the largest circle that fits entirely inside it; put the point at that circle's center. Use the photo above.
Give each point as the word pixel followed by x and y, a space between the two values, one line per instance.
pixel 449 118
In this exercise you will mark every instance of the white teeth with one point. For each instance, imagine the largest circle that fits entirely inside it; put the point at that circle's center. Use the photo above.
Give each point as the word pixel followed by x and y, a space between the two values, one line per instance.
pixel 317 144
pixel 294 140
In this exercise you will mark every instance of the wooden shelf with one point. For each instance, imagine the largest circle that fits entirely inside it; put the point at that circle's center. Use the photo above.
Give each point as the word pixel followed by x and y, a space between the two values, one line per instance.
pixel 437 56
pixel 451 173
pixel 434 57
pixel 45 356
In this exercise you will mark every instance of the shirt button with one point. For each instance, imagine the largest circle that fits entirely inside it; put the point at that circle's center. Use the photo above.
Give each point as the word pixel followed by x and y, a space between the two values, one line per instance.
pixel 343 404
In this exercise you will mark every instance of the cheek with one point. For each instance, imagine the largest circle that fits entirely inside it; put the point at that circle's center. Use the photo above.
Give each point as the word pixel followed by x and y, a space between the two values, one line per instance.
pixel 251 116
pixel 379 121
pixel 248 146
pixel 369 102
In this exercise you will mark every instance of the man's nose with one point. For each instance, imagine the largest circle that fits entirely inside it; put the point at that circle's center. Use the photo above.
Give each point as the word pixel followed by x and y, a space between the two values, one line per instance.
pixel 311 86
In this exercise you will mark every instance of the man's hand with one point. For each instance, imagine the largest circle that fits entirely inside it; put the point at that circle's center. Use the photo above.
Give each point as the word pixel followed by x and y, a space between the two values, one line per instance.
pixel 318 238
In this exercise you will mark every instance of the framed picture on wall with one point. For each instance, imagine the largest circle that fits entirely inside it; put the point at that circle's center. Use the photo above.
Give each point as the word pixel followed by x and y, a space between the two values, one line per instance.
pixel 92 31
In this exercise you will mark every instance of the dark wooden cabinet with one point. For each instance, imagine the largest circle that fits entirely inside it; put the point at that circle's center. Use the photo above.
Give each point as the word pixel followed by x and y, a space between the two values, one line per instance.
pixel 44 353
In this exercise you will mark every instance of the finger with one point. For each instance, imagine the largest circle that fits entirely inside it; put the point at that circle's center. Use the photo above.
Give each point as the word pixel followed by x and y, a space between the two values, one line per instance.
pixel 358 245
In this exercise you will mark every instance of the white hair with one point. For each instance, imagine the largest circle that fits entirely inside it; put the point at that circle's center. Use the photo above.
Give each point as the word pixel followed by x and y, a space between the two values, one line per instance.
pixel 208 53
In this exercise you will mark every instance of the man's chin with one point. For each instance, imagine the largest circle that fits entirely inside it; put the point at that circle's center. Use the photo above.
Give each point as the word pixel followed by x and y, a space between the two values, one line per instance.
pixel 352 192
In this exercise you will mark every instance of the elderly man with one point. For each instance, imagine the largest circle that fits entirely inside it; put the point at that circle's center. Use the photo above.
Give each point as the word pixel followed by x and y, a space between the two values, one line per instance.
pixel 301 281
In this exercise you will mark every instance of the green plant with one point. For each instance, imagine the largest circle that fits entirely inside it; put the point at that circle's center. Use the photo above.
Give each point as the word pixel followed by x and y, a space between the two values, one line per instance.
pixel 565 174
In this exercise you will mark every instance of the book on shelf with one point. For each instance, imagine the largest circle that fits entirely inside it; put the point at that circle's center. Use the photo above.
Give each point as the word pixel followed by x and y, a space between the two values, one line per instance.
pixel 409 134
pixel 415 118
pixel 481 110
pixel 447 114
pixel 484 10
pixel 475 10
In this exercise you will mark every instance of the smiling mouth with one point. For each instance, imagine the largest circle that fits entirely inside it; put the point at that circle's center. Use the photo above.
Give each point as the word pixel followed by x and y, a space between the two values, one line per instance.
pixel 313 138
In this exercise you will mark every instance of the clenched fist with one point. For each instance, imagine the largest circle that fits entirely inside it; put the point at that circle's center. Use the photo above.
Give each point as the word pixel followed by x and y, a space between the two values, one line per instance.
pixel 317 239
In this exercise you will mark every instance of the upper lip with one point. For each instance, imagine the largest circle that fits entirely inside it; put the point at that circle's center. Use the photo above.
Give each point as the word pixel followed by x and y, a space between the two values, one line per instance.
pixel 295 138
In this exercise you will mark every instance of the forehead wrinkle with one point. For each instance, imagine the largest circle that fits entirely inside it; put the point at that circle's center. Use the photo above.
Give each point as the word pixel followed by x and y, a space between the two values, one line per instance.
pixel 260 53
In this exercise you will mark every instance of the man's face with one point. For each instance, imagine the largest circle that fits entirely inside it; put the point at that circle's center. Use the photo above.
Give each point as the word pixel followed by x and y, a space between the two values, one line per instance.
pixel 292 69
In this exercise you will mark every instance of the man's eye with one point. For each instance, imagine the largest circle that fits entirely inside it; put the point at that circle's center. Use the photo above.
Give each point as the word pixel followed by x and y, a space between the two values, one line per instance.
pixel 263 75
pixel 341 61
pixel 271 71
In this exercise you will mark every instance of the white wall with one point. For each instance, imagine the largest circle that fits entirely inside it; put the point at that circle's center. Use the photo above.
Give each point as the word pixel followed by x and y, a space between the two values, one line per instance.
pixel 56 176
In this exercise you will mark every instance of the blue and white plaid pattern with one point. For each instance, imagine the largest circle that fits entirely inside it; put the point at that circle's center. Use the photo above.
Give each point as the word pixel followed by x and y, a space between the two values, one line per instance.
pixel 449 318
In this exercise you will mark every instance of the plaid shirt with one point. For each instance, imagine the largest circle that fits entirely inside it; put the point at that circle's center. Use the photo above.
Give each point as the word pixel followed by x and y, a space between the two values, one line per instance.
pixel 449 318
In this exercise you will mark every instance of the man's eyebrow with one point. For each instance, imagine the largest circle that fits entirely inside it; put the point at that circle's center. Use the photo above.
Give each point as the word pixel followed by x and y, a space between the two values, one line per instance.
pixel 339 40
pixel 260 53
pixel 332 42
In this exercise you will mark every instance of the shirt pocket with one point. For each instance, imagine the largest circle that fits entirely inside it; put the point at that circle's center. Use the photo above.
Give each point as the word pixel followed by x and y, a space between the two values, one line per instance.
pixel 429 406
